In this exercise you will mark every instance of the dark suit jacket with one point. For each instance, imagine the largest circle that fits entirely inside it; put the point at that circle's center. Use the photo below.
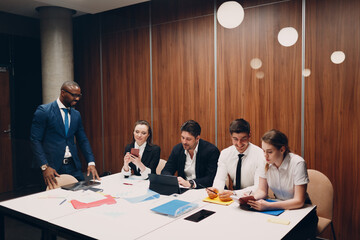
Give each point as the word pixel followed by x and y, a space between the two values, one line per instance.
pixel 48 139
pixel 205 166
pixel 150 157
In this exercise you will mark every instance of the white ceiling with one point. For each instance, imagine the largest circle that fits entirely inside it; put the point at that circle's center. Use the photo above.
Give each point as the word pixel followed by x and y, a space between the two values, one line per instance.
pixel 28 7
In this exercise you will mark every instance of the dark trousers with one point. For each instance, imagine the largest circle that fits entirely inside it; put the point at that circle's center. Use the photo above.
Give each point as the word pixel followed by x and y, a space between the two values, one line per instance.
pixel 71 170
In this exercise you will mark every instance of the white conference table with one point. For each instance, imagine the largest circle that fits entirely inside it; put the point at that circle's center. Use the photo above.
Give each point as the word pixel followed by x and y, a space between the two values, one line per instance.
pixel 125 220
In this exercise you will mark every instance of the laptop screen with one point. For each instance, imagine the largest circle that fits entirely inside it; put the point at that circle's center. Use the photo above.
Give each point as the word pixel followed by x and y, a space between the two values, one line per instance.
pixel 165 184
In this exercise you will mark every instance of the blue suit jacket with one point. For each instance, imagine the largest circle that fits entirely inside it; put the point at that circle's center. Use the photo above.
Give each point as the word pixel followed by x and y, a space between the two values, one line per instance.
pixel 48 139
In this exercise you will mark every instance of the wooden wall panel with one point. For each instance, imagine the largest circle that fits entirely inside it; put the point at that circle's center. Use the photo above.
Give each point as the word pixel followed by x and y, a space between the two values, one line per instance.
pixel 164 11
pixel 184 82
pixel 332 105
pixel 121 19
pixel 6 168
pixel 183 79
pixel 87 74
pixel 273 101
pixel 126 90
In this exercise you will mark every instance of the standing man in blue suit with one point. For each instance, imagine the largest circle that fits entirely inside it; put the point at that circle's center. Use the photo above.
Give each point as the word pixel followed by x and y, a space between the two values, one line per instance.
pixel 53 131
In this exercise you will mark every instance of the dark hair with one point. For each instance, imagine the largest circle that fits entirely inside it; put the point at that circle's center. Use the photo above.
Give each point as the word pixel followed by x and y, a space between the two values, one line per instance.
pixel 239 126
pixel 278 140
pixel 144 122
pixel 192 127
pixel 68 84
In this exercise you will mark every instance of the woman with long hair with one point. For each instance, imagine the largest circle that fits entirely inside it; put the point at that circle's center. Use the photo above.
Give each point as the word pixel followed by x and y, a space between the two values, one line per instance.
pixel 147 159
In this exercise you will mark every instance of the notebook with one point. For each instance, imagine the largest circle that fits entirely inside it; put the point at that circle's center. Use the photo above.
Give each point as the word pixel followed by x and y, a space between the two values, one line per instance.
pixel 174 208
pixel 218 201
pixel 165 184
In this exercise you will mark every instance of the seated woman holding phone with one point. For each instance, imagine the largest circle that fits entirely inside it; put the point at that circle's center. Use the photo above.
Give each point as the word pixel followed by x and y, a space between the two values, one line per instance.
pixel 141 156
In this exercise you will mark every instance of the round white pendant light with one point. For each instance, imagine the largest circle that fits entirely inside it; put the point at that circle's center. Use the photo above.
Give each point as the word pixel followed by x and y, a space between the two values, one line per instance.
pixel 230 14
pixel 255 63
pixel 260 75
pixel 306 72
pixel 337 57
pixel 288 36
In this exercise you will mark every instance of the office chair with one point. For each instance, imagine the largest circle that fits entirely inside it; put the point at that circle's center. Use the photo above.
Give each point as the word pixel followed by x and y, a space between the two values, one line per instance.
pixel 64 179
pixel 160 166
pixel 321 194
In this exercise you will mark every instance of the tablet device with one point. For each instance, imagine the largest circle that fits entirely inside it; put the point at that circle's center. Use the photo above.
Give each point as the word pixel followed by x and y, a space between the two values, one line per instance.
pixel 200 215
pixel 165 184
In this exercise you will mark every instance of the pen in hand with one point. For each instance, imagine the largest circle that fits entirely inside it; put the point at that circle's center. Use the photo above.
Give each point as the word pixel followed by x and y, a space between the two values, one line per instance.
pixel 211 191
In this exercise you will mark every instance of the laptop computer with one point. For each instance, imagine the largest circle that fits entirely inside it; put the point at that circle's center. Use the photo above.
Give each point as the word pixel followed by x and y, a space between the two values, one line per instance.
pixel 83 185
pixel 165 184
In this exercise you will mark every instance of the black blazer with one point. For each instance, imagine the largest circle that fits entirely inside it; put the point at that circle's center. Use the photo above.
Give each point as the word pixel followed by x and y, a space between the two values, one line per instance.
pixel 205 166
pixel 150 157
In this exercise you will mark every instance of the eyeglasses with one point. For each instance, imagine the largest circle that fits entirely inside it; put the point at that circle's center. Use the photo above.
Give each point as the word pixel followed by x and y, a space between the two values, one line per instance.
pixel 73 94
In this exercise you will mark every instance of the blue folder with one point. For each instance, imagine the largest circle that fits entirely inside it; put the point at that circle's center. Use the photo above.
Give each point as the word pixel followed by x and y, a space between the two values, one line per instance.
pixel 271 212
pixel 174 208
pixel 148 196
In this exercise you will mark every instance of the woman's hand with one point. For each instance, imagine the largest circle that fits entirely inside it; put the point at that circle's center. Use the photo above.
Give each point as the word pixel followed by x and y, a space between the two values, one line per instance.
pixel 136 160
pixel 260 205
pixel 127 160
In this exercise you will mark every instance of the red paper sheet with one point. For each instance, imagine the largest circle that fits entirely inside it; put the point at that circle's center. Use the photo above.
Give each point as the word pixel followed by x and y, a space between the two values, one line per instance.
pixel 79 205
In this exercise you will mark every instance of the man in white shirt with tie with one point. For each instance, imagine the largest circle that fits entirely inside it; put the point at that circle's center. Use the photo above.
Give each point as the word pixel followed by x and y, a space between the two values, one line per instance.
pixel 241 162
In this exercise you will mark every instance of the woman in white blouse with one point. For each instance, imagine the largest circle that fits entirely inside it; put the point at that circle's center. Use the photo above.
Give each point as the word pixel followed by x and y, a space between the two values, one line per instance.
pixel 149 154
pixel 285 173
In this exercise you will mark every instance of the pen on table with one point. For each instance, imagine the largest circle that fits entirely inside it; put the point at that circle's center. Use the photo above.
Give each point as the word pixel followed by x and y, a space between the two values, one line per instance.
pixel 125 183
pixel 63 201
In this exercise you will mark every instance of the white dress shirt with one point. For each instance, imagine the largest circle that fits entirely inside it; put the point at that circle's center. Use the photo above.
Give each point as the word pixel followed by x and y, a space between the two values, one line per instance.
pixel 61 106
pixel 282 180
pixel 67 151
pixel 147 171
pixel 252 161
pixel 189 168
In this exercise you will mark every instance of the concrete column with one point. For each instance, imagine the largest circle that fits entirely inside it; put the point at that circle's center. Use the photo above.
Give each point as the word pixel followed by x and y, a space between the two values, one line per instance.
pixel 56 50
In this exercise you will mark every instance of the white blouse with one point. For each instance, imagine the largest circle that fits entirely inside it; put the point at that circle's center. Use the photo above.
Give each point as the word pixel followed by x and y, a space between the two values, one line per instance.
pixel 282 180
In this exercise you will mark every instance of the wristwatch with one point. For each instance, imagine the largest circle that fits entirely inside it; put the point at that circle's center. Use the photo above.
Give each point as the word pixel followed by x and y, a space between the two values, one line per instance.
pixel 44 167
pixel 192 183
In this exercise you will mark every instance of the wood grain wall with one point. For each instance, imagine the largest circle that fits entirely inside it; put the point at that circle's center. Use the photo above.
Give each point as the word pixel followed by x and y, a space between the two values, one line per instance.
pixel 88 74
pixel 171 45
pixel 183 73
pixel 126 78
pixel 332 97
pixel 271 101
